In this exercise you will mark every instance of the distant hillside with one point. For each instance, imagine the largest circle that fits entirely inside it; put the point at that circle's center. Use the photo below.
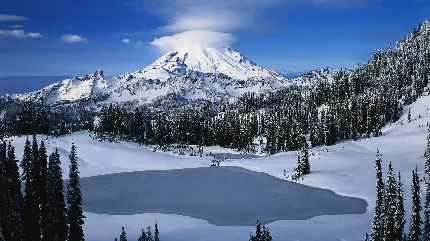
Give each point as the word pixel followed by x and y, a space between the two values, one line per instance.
pixel 24 84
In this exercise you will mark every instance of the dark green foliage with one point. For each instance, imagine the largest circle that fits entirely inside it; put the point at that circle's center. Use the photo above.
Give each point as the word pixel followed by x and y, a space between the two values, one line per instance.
pixel 143 236
pixel 11 200
pixel 31 212
pixel 123 236
pixel 156 233
pixel 390 205
pixel 149 236
pixel 415 223
pixel 377 233
pixel 74 200
pixel 426 228
pixel 262 233
pixel 400 211
pixel 55 229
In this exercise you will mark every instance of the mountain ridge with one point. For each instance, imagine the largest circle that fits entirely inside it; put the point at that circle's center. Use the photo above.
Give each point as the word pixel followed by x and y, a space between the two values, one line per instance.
pixel 190 73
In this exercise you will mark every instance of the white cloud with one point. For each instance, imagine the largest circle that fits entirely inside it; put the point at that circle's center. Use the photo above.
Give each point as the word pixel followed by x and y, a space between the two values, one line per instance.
pixel 193 38
pixel 11 18
pixel 34 35
pixel 18 33
pixel 72 38
pixel 212 21
pixel 205 19
pixel 126 40
pixel 16 26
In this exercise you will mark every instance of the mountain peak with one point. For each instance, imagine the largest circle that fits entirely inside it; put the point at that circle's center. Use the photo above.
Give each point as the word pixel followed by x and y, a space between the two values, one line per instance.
pixel 227 61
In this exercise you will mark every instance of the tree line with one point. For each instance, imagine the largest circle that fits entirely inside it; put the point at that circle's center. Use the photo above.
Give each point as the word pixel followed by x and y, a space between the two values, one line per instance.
pixel 388 221
pixel 40 211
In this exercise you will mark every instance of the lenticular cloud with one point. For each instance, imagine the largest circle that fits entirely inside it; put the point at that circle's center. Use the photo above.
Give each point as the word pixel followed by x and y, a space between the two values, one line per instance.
pixel 201 38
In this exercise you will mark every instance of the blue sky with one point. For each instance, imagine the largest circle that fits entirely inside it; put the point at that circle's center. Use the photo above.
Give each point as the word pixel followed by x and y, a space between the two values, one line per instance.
pixel 77 37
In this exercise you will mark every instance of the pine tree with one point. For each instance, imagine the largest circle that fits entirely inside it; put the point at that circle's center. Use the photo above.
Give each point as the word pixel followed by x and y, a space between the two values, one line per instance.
pixel 409 115
pixel 426 229
pixel 366 238
pixel 12 200
pixel 149 236
pixel 41 188
pixel 56 227
pixel 266 234
pixel 3 186
pixel 377 233
pixel 123 236
pixel 400 211
pixel 304 154
pixel 415 224
pixel 143 236
pixel 390 205
pixel 36 183
pixel 156 233
pixel 258 232
pixel 74 200
pixel 262 233
pixel 30 213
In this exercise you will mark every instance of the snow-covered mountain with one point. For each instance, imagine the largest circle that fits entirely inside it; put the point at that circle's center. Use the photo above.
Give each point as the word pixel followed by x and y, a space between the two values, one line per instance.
pixel 192 73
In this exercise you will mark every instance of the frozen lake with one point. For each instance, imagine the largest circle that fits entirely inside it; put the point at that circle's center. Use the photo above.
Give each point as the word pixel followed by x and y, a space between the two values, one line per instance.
pixel 224 196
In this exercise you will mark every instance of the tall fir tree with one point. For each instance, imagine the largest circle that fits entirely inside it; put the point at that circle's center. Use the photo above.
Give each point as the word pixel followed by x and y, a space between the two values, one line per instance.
pixel 426 228
pixel 156 232
pixel 3 186
pixel 142 236
pixel 377 233
pixel 36 184
pixel 123 236
pixel 56 227
pixel 41 188
pixel 415 223
pixel 74 200
pixel 30 209
pixel 390 205
pixel 12 199
pixel 149 236
pixel 400 211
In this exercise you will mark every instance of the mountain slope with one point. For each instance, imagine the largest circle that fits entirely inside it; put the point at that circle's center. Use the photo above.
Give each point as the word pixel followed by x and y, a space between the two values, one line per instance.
pixel 192 73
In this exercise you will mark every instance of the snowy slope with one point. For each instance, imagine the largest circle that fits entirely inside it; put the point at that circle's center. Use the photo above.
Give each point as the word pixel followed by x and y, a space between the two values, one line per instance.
pixel 187 74
pixel 346 168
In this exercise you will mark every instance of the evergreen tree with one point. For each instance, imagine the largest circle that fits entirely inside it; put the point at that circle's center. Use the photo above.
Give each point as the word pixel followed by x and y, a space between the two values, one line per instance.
pixel 30 210
pixel 149 236
pixel 262 233
pixel 426 228
pixel 390 205
pixel 123 236
pixel 12 200
pixel 36 184
pixel 367 237
pixel 377 233
pixel 3 185
pixel 415 224
pixel 142 236
pixel 56 227
pixel 156 233
pixel 409 115
pixel 74 200
pixel 400 211
pixel 41 188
